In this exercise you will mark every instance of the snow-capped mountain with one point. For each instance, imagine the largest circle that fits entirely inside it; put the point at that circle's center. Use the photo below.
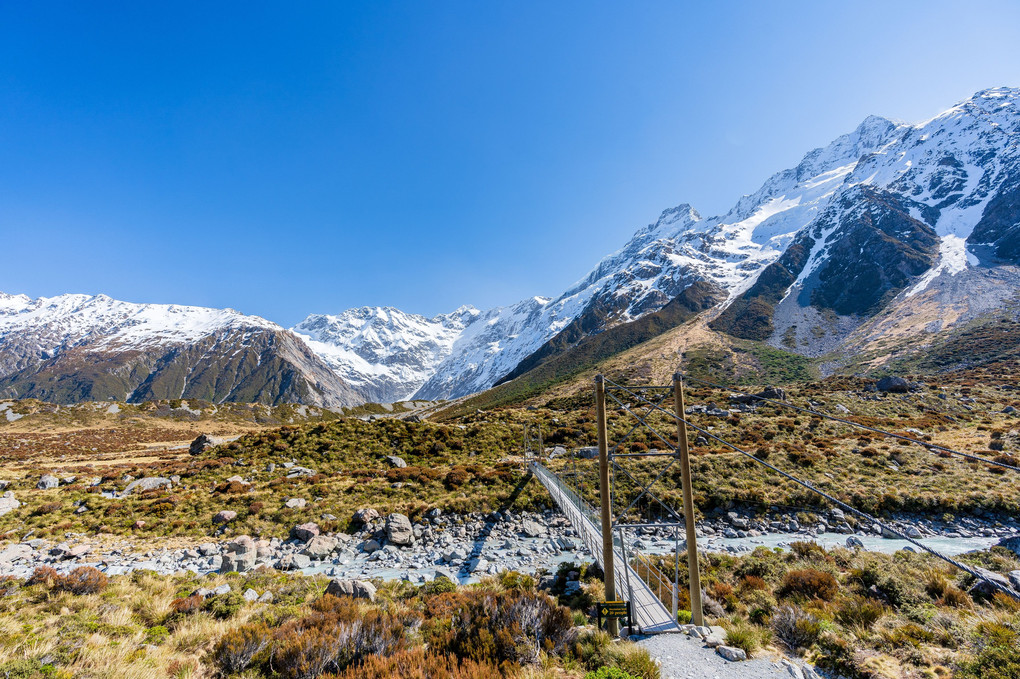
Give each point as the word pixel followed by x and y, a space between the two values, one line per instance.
pixel 82 347
pixel 826 255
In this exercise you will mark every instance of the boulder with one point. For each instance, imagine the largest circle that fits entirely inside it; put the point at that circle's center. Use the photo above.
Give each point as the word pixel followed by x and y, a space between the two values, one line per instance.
pixel 1014 579
pixel 358 589
pixel 772 393
pixel 732 654
pixel 854 542
pixel 304 531
pixel 893 385
pixel 239 555
pixel 224 516
pixel 399 530
pixel 1011 543
pixel 296 472
pixel 12 553
pixel 319 547
pixel 396 461
pixel 532 529
pixel 365 515
pixel 8 503
pixel 295 503
pixel 588 452
pixel 250 595
pixel 294 562
pixel 47 481
pixel 203 443
pixel 148 483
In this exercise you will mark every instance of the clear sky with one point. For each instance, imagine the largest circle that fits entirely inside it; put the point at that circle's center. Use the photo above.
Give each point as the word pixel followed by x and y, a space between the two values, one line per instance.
pixel 290 158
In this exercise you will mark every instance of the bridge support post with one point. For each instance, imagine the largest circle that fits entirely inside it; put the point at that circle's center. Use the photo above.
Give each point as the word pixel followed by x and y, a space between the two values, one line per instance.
pixel 612 625
pixel 694 575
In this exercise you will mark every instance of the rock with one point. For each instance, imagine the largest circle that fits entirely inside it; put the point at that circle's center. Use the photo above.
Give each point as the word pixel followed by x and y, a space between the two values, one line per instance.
pixel 712 641
pixel 532 529
pixel 369 546
pixel 793 670
pixel 266 598
pixel 240 555
pixel 77 552
pixel 320 546
pixel 854 542
pixel 398 530
pixel 893 385
pixel 986 589
pixel 913 533
pixel 1014 579
pixel 203 443
pixel 555 451
pixel 295 503
pixel 224 516
pixel 222 589
pixel 297 472
pixel 8 503
pixel 588 452
pixel 731 654
pixel 138 525
pixel 148 483
pixel 396 461
pixel 1008 410
pixel 363 516
pixel 294 562
pixel 1011 543
pixel 250 595
pixel 68 480
pixel 772 393
pixel 358 589
pixel 47 481
pixel 208 549
pixel 12 553
pixel 304 531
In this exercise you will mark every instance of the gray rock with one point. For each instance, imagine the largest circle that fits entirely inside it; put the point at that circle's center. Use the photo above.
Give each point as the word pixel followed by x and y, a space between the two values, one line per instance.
pixel 304 531
pixel 731 654
pixel 894 385
pixel 320 546
pixel 366 515
pixel 222 589
pixel 399 530
pixel 294 562
pixel 224 516
pixel 1011 543
pixel 148 483
pixel 369 546
pixel 47 481
pixel 295 503
pixel 1014 579
pixel 266 598
pixel 532 529
pixel 854 542
pixel 240 555
pixel 358 589
pixel 396 461
pixel 8 503
pixel 12 553
pixel 250 595
pixel 203 443
pixel 588 452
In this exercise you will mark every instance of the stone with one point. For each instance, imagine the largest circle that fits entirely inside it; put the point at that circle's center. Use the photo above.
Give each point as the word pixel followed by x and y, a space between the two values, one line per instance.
pixel 224 516
pixel 208 549
pixel 250 595
pixel 893 385
pixel 320 546
pixel 793 670
pixel 47 481
pixel 266 598
pixel 985 588
pixel 297 472
pixel 365 515
pixel 1011 543
pixel 731 654
pixel 304 531
pixel 294 562
pixel 1014 579
pixel 12 553
pixel 148 483
pixel 358 589
pixel 295 503
pixel 854 542
pixel 532 529
pixel 222 589
pixel 588 452
pixel 8 503
pixel 712 641
pixel 396 461
pixel 203 443
pixel 239 555
pixel 369 546
pixel 399 530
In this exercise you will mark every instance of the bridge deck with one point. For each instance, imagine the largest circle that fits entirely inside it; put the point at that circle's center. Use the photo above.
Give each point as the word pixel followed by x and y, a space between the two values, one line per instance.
pixel 650 615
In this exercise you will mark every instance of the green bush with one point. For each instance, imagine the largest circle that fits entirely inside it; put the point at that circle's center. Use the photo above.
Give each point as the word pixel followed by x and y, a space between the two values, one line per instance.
pixel 608 673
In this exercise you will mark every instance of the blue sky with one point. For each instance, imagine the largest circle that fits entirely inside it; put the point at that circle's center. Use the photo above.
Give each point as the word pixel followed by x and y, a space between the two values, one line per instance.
pixel 290 158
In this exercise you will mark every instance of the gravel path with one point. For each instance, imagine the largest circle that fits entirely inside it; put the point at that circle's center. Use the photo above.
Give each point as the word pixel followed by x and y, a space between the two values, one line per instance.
pixel 684 657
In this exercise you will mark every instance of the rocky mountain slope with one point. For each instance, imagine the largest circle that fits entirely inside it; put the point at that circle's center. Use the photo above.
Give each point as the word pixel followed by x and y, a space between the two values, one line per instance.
pixel 75 348
pixel 881 219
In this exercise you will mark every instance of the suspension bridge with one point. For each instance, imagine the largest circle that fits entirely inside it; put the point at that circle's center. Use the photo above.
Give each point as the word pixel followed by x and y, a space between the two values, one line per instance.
pixel 653 596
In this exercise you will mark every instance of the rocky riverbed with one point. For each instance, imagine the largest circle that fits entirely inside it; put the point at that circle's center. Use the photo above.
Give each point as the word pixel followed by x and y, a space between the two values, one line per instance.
pixel 466 547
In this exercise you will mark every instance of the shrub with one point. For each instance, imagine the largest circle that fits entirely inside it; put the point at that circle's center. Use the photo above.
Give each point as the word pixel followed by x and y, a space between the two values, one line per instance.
pixel 43 575
pixel 994 662
pixel 187 605
pixel 439 585
pixel 795 628
pixel 810 583
pixel 746 637
pixel 859 612
pixel 760 605
pixel 608 673
pixel 236 650
pixel 224 606
pixel 84 580
pixel 47 508
pixel 418 664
